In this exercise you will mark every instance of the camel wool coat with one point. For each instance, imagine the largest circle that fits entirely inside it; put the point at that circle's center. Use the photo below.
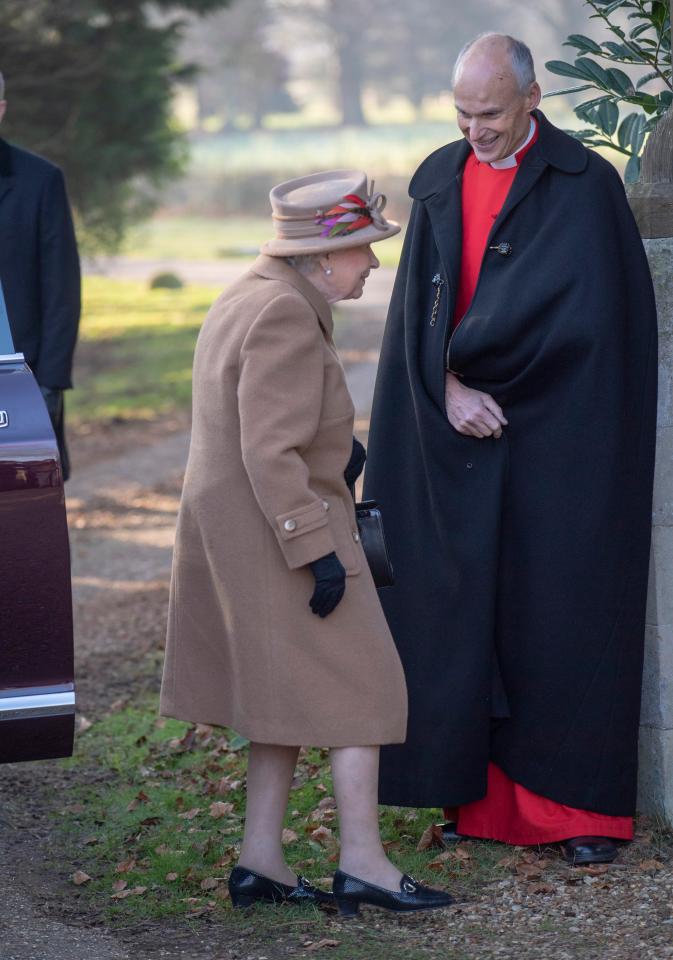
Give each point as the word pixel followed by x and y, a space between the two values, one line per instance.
pixel 264 495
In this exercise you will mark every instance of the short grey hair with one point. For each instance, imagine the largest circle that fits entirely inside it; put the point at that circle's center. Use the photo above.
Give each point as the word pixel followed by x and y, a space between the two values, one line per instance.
pixel 2 87
pixel 304 262
pixel 523 64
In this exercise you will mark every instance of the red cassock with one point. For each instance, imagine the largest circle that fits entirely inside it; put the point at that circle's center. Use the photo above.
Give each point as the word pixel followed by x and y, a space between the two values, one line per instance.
pixel 509 812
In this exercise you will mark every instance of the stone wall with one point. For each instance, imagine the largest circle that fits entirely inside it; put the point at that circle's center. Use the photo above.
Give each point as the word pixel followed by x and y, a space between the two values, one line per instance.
pixel 656 731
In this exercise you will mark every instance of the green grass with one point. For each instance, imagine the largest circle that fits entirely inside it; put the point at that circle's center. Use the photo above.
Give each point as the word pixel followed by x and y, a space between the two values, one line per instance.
pixel 135 354
pixel 212 238
pixel 144 816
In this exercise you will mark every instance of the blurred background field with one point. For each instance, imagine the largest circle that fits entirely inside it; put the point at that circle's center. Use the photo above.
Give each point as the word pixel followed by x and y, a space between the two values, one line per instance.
pixel 173 135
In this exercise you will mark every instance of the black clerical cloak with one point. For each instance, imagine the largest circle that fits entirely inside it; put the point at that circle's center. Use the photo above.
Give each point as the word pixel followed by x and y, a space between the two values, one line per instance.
pixel 521 563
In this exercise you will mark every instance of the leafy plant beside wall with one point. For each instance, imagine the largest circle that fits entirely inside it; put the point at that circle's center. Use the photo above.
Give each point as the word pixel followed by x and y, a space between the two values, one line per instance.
pixel 644 44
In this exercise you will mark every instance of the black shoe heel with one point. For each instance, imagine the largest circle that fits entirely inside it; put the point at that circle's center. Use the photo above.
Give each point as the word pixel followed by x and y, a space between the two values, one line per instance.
pixel 348 908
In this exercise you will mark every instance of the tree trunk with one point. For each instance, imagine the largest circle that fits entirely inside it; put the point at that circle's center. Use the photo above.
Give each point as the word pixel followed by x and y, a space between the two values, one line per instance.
pixel 349 48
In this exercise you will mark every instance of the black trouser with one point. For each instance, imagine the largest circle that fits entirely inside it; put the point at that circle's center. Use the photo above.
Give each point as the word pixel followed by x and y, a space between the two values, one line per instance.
pixel 56 409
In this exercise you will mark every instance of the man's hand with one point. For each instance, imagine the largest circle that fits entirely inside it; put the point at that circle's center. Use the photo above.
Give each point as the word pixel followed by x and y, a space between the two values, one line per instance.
pixel 471 412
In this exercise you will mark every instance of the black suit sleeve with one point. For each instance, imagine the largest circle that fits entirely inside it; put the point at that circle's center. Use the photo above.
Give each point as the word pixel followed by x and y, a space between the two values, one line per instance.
pixel 59 279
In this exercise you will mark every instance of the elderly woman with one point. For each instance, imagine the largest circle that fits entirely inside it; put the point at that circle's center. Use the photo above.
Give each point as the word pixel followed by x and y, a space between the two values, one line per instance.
pixel 275 628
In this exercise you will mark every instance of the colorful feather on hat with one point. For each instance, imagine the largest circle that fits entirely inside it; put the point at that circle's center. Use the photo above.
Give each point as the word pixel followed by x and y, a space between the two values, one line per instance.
pixel 351 214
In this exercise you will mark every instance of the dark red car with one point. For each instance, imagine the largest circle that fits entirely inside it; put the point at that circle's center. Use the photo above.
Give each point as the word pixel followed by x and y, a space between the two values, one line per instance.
pixel 37 693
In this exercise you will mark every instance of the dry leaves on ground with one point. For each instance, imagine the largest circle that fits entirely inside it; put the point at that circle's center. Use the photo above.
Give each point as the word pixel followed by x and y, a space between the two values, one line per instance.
pixel 431 838
pixel 219 809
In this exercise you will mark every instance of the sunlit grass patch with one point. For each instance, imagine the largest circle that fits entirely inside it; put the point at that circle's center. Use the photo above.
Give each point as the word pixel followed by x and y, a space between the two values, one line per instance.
pixel 136 347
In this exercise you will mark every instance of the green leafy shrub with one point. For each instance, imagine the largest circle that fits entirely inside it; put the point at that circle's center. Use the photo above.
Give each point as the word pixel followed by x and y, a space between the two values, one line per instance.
pixel 645 46
pixel 166 281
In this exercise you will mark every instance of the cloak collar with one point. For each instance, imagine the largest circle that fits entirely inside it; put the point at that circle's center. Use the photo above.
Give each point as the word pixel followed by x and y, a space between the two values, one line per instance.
pixel 553 148
pixel 275 268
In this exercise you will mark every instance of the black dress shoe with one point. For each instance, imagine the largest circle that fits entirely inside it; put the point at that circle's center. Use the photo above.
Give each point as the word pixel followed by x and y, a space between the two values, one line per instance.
pixel 581 850
pixel 349 893
pixel 247 887
pixel 449 834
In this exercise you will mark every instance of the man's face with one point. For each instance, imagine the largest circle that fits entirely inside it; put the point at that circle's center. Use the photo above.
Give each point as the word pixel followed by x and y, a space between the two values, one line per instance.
pixel 493 112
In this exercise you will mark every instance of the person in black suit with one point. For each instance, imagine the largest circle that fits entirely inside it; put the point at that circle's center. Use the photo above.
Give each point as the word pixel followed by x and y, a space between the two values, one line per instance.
pixel 39 271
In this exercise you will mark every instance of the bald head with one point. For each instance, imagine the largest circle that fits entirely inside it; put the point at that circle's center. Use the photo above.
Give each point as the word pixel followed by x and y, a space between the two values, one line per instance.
pixel 511 55
pixel 495 91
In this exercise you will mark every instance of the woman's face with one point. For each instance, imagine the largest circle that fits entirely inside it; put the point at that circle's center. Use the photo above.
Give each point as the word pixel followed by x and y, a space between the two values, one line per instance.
pixel 350 268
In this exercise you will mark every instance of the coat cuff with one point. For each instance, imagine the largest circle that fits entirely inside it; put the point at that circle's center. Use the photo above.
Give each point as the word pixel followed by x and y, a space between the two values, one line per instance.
pixel 304 535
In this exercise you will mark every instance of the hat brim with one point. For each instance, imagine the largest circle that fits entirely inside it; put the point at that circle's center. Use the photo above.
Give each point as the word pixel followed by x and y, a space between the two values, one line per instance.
pixel 303 246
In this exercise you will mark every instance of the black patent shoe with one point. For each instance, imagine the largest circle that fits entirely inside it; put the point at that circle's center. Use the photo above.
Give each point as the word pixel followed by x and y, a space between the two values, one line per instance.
pixel 581 850
pixel 349 893
pixel 449 833
pixel 247 887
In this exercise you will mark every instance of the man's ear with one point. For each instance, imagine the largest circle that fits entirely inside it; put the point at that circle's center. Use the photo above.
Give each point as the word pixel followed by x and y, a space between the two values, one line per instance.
pixel 534 96
pixel 3 107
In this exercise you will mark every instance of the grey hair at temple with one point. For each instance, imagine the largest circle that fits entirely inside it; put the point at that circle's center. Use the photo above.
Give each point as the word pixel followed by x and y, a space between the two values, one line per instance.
pixel 522 59
pixel 2 87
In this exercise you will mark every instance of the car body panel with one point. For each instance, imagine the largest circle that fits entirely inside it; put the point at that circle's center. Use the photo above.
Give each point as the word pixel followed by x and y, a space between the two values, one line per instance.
pixel 37 701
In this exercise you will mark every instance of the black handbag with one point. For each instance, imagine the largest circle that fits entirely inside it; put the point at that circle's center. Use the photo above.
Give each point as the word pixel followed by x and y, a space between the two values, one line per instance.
pixel 372 538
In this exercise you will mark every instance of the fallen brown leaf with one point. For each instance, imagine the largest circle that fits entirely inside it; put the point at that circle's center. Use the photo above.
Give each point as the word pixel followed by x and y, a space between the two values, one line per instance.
pixel 651 865
pixel 199 912
pixel 431 838
pixel 140 798
pixel 190 814
pixel 541 888
pixel 289 836
pixel 322 835
pixel 83 724
pixel 79 877
pixel 321 944
pixel 529 871
pixel 170 877
pixel 391 845
pixel 461 852
pixel 594 870
pixel 219 809
pixel 210 883
pixel 120 885
pixel 125 866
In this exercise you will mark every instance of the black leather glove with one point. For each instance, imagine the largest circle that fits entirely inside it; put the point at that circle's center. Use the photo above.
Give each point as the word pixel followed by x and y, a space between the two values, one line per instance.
pixel 330 584
pixel 356 464
pixel 54 402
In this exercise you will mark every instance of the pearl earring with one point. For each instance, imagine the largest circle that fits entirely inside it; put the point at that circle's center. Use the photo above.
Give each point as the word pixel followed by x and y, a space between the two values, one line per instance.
pixel 327 271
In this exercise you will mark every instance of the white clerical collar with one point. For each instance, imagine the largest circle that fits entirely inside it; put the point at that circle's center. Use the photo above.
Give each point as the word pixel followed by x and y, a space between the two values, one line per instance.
pixel 511 161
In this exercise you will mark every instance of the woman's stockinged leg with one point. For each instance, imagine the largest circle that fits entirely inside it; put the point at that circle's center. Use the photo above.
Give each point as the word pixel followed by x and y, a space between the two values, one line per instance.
pixel 270 772
pixel 355 771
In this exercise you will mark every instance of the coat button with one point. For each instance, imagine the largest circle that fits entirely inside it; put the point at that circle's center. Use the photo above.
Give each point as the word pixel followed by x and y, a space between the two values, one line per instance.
pixel 290 525
pixel 468 465
pixel 356 537
pixel 325 504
